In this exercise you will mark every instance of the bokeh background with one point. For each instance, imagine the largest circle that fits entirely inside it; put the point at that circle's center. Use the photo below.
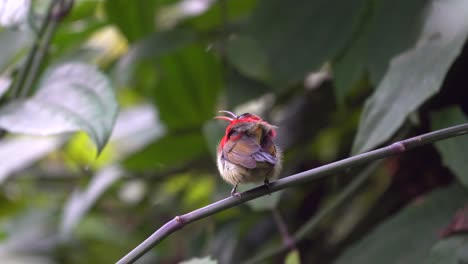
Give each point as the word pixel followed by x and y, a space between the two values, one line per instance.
pixel 337 77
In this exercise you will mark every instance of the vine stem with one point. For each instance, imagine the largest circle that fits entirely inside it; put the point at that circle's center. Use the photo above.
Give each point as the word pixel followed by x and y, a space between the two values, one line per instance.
pixel 56 11
pixel 391 150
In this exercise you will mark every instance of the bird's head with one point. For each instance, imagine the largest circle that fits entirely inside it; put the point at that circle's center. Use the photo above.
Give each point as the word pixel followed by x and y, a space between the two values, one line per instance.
pixel 245 124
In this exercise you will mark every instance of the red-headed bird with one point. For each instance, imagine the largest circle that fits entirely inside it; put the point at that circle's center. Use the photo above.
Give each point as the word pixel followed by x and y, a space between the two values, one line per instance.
pixel 247 152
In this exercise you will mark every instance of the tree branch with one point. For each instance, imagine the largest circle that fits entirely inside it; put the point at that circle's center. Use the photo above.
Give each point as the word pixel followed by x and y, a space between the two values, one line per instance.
pixel 394 149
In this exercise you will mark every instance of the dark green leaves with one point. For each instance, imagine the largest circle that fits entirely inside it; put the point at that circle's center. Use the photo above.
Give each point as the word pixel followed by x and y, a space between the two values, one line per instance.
pixel 135 20
pixel 384 29
pixel 71 97
pixel 190 81
pixel 408 237
pixel 413 77
pixel 151 48
pixel 306 33
pixel 452 150
pixel 245 54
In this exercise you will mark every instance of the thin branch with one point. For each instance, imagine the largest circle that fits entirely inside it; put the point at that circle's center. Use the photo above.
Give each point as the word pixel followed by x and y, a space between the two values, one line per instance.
pixel 394 149
pixel 288 241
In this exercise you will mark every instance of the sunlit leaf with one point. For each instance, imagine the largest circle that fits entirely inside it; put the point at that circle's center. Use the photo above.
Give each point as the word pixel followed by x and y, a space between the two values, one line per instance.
pixel 453 150
pixel 408 236
pixel 21 152
pixel 293 257
pixel 71 97
pixel 413 76
pixel 13 12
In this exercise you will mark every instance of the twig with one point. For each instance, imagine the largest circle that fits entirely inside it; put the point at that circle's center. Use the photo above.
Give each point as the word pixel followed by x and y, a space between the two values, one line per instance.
pixel 300 234
pixel 288 241
pixel 394 149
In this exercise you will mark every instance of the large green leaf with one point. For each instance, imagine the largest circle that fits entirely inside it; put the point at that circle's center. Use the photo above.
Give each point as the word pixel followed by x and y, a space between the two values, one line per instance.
pixel 151 47
pixel 453 150
pixel 300 36
pixel 386 28
pixel 408 236
pixel 71 97
pixel 135 19
pixel 190 81
pixel 413 76
pixel 222 14
pixel 169 151
pixel 245 54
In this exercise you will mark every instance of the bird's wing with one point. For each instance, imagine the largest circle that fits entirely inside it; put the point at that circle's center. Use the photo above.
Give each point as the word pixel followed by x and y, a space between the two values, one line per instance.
pixel 247 152
pixel 267 152
pixel 241 152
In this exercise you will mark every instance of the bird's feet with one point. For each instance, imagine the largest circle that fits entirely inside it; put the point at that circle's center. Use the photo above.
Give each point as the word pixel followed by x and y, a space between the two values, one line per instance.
pixel 234 191
pixel 267 184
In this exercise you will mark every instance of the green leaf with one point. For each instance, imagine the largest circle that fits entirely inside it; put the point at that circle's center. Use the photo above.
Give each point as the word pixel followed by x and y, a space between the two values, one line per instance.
pixel 151 47
pixel 449 251
pixel 18 153
pixel 240 89
pixel 385 28
pixel 408 236
pixel 205 260
pixel 453 150
pixel 135 19
pixel 169 151
pixel 293 257
pixel 413 77
pixel 190 81
pixel 233 11
pixel 245 54
pixel 71 97
pixel 300 36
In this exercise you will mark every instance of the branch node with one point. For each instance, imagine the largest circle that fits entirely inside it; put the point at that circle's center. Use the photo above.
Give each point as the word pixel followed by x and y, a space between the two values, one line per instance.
pixel 399 147
pixel 179 220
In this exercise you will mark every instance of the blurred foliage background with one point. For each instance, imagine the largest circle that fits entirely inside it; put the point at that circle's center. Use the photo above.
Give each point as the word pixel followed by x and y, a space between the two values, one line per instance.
pixel 138 83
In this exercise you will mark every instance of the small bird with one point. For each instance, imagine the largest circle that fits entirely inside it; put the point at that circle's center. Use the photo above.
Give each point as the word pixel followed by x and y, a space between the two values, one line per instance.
pixel 247 153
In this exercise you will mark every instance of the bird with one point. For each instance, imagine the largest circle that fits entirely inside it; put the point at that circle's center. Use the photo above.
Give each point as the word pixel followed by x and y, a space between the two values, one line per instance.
pixel 247 153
